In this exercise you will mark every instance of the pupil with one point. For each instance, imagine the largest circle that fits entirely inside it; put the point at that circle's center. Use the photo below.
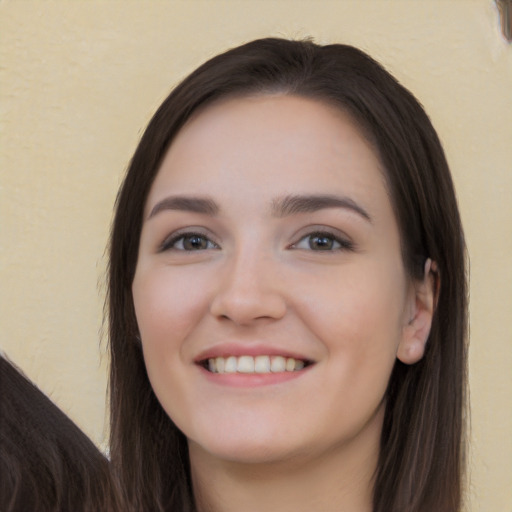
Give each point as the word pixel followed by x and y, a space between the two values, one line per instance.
pixel 194 243
pixel 323 243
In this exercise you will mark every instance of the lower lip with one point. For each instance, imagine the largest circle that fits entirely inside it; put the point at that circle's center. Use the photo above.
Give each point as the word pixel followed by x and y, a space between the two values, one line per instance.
pixel 251 380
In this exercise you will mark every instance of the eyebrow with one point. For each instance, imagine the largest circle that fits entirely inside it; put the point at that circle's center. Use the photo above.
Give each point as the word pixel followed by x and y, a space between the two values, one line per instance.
pixel 280 207
pixel 185 203
pixel 293 204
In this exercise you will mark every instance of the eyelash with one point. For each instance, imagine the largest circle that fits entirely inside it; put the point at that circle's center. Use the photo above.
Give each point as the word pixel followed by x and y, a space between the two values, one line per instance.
pixel 170 243
pixel 342 243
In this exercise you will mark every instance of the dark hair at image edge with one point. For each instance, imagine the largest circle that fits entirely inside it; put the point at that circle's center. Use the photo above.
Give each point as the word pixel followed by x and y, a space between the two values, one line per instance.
pixel 47 464
pixel 421 463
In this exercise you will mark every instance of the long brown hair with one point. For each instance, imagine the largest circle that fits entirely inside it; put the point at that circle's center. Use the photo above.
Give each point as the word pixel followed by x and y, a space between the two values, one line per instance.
pixel 47 464
pixel 421 463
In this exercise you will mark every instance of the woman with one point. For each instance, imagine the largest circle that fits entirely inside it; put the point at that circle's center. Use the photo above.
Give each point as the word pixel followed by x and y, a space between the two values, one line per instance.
pixel 287 295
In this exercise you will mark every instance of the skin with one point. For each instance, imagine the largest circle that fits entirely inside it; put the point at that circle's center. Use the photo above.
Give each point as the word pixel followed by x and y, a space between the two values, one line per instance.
pixel 257 277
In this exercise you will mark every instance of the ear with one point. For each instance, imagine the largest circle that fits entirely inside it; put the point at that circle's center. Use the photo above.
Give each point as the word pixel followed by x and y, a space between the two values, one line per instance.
pixel 420 312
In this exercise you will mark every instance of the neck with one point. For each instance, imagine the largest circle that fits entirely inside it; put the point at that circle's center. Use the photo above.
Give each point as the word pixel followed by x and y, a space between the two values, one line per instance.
pixel 340 480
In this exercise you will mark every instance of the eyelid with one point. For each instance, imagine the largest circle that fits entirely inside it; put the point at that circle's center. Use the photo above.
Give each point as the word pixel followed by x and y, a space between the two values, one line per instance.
pixel 346 243
pixel 172 238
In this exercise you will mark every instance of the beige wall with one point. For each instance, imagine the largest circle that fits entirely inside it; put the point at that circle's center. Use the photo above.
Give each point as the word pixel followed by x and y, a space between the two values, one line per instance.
pixel 80 79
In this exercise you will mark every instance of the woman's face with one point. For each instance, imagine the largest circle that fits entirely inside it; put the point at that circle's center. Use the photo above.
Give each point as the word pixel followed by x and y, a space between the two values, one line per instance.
pixel 270 292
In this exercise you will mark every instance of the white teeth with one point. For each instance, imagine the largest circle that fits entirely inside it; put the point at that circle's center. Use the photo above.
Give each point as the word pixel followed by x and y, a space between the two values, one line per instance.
pixel 290 364
pixel 299 364
pixel 277 364
pixel 258 364
pixel 219 364
pixel 262 364
pixel 245 364
pixel 230 365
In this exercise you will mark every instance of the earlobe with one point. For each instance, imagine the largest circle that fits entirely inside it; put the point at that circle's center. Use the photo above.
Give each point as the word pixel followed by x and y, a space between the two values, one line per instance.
pixel 415 333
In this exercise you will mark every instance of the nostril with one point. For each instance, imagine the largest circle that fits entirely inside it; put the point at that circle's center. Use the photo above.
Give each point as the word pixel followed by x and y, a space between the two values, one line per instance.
pixel 245 310
pixel 247 290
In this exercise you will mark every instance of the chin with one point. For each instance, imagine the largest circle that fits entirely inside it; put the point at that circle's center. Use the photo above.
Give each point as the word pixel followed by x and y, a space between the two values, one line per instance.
pixel 246 449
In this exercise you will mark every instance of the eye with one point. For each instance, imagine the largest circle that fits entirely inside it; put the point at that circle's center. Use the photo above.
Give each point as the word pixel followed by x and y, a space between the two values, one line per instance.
pixel 323 241
pixel 188 242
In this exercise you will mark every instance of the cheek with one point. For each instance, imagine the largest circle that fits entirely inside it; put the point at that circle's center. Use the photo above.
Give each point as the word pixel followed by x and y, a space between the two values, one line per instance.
pixel 168 305
pixel 359 320
pixel 167 308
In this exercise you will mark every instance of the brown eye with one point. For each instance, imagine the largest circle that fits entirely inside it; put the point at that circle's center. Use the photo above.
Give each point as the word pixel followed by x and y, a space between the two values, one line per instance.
pixel 195 243
pixel 323 242
pixel 189 242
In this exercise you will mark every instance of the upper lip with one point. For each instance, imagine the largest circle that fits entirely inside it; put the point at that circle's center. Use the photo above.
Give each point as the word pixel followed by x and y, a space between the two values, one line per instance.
pixel 247 349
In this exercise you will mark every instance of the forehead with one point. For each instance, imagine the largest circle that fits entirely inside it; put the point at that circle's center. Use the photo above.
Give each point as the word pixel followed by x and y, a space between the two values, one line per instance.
pixel 269 143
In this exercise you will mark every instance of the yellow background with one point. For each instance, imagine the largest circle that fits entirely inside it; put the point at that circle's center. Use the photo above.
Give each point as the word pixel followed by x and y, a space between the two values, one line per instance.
pixel 80 79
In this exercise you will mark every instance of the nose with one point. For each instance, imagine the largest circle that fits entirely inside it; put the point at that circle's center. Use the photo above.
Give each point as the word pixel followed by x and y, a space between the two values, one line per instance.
pixel 250 289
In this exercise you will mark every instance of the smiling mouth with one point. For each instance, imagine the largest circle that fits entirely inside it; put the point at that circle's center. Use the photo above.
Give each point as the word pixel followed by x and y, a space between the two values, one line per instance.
pixel 257 365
